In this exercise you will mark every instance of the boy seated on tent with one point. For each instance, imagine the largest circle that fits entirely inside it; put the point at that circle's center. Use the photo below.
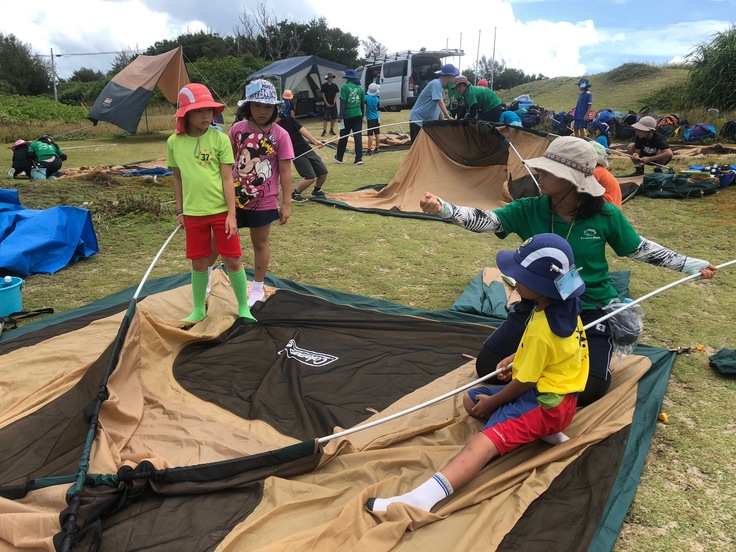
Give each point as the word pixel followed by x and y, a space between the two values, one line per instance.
pixel 550 368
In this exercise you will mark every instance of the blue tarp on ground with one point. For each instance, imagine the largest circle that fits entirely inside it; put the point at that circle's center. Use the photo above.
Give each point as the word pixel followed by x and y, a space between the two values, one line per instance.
pixel 42 241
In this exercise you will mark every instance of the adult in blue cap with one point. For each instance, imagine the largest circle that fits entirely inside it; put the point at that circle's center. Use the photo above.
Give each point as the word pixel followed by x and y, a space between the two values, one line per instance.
pixel 430 105
pixel 350 116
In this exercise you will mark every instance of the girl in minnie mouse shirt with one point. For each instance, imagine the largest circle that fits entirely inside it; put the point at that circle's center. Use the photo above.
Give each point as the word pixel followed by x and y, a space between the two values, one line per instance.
pixel 262 170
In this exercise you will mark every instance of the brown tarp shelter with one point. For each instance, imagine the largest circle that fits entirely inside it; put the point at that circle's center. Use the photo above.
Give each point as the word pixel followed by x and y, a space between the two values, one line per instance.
pixel 208 436
pixel 463 162
pixel 124 99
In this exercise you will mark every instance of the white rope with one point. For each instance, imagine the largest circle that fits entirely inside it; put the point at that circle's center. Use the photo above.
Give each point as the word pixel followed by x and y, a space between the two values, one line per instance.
pixel 323 440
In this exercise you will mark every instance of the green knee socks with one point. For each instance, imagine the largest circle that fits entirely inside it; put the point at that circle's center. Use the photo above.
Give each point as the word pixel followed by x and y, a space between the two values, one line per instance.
pixel 199 295
pixel 239 283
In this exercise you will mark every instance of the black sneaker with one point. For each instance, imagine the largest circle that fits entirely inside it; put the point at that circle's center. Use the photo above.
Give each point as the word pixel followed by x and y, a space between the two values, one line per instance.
pixel 338 160
pixel 299 198
pixel 638 171
pixel 358 162
pixel 375 151
pixel 324 133
pixel 368 152
pixel 318 193
pixel 332 132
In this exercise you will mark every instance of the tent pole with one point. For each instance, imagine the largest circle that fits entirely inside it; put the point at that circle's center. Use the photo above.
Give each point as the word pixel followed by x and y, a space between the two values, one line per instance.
pixel 323 440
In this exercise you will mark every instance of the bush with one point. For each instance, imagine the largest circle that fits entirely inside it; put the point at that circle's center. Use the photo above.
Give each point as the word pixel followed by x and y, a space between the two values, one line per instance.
pixel 22 109
pixel 632 71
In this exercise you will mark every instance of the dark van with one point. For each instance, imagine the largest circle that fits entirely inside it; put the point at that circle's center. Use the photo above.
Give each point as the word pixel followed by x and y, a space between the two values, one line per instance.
pixel 403 75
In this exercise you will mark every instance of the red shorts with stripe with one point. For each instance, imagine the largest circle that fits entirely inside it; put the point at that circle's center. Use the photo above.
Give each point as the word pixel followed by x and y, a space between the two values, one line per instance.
pixel 523 420
pixel 200 231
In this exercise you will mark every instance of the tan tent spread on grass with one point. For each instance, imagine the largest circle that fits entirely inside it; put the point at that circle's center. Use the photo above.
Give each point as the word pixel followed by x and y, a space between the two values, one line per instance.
pixel 207 438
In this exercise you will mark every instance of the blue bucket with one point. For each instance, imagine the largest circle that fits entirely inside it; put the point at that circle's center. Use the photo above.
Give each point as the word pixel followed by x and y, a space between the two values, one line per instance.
pixel 38 173
pixel 10 297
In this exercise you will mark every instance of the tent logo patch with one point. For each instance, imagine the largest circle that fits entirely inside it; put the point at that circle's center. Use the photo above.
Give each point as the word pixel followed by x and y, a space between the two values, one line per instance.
pixel 310 358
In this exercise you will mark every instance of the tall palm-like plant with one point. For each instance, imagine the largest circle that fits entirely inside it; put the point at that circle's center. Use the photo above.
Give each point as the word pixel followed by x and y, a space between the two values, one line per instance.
pixel 713 72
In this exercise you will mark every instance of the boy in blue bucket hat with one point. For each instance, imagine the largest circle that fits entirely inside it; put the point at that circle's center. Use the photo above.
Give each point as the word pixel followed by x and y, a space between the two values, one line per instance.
pixel 430 104
pixel 550 368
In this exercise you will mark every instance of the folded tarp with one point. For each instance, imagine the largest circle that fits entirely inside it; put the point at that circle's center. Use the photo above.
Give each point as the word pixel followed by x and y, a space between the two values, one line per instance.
pixel 42 241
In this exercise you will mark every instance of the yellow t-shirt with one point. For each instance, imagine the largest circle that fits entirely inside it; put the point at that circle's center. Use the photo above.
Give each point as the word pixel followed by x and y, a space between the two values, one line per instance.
pixel 558 365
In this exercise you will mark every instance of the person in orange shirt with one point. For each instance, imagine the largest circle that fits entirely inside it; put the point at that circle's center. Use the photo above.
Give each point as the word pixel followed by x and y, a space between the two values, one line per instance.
pixel 605 178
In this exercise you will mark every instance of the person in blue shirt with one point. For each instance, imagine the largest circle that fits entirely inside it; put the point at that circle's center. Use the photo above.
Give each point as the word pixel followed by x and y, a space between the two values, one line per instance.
pixel 582 109
pixel 430 105
pixel 509 118
pixel 372 121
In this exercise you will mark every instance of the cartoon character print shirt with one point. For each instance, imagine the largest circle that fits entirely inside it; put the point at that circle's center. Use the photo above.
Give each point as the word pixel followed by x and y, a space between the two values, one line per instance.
pixel 256 169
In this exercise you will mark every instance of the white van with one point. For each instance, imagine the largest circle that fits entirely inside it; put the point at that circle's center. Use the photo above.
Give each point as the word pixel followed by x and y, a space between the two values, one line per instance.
pixel 403 75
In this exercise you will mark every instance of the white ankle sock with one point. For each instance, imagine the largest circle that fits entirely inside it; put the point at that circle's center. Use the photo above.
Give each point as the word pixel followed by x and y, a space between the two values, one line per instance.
pixel 423 497
pixel 256 293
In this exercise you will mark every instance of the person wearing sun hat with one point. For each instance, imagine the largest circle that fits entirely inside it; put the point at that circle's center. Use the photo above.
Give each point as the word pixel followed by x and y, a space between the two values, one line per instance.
pixel 22 162
pixel 350 116
pixel 262 173
pixel 329 91
pixel 480 102
pixel 289 107
pixel 547 372
pixel 430 104
pixel 571 205
pixel 201 160
pixel 649 147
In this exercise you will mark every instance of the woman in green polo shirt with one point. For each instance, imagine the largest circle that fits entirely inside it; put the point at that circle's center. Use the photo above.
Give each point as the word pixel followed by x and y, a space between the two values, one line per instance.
pixel 570 205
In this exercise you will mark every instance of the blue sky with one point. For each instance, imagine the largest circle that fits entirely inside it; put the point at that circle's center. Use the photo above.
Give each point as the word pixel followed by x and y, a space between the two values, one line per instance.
pixel 552 37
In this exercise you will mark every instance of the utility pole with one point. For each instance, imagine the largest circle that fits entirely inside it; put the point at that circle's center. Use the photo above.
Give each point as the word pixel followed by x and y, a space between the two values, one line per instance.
pixel 477 58
pixel 53 75
pixel 493 59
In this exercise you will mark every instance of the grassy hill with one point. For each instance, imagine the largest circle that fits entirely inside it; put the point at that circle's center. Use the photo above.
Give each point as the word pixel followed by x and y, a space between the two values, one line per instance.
pixel 626 87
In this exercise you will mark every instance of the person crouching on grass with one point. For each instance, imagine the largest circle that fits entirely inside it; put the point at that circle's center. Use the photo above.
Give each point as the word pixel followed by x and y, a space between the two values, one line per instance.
pixel 201 158
pixel 549 369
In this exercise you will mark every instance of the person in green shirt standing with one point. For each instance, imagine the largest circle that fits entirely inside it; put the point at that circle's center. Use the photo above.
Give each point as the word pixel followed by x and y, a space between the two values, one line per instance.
pixel 480 102
pixel 350 116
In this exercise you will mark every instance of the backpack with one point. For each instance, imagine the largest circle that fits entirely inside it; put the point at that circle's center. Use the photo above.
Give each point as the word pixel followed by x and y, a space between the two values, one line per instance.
pixel 729 130
pixel 700 131
pixel 623 131
pixel 677 186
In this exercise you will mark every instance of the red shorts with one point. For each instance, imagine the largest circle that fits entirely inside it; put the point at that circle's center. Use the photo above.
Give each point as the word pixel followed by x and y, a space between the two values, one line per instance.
pixel 200 231
pixel 523 421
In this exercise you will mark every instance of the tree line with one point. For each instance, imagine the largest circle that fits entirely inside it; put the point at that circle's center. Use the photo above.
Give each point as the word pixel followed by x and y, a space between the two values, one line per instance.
pixel 222 62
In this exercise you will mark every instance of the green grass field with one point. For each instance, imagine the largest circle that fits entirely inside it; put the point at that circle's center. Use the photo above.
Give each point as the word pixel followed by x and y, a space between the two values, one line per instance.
pixel 686 498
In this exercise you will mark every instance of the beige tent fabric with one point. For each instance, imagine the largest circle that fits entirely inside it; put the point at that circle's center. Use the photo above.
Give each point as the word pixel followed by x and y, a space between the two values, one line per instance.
pixel 151 417
pixel 323 510
pixel 144 72
pixel 427 169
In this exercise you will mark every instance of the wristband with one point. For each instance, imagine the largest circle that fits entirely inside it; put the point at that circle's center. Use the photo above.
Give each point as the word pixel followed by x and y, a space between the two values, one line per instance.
pixel 179 212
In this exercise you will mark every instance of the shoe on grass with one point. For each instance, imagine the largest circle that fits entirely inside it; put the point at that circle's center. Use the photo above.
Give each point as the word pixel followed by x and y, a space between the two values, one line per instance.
pixel 318 193
pixel 332 133
pixel 324 133
pixel 358 162
pixel 337 160
pixel 299 198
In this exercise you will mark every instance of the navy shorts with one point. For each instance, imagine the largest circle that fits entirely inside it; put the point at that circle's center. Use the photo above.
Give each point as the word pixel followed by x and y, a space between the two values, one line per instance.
pixel 255 219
